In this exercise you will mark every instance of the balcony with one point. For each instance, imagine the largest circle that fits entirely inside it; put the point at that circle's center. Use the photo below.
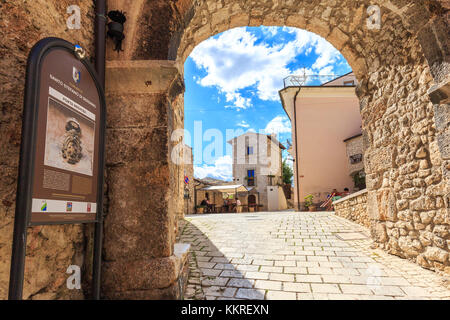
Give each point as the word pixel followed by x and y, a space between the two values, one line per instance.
pixel 307 80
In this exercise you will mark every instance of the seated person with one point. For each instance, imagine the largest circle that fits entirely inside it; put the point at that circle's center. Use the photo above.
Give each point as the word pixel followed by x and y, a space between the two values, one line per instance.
pixel 238 206
pixel 209 205
pixel 229 204
pixel 327 203
pixel 225 204
pixel 336 193
pixel 346 192
pixel 206 204
pixel 333 196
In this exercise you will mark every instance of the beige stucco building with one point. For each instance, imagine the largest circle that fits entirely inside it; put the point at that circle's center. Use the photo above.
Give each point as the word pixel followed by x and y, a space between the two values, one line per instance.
pixel 257 164
pixel 322 118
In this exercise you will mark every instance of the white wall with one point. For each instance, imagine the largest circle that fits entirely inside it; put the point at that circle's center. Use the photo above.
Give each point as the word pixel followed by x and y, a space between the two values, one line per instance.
pixel 276 199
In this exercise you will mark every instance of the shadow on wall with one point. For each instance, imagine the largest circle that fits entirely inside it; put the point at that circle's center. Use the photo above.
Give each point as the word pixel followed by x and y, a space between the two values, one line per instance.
pixel 211 273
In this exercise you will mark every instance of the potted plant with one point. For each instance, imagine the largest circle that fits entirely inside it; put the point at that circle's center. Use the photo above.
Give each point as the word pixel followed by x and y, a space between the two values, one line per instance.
pixel 309 203
pixel 200 209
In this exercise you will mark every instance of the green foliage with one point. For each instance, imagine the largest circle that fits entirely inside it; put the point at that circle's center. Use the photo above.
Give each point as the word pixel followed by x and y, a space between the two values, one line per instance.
pixel 309 201
pixel 359 179
pixel 287 173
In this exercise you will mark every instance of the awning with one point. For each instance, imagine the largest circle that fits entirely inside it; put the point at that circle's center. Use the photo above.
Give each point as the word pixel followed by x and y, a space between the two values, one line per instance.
pixel 227 188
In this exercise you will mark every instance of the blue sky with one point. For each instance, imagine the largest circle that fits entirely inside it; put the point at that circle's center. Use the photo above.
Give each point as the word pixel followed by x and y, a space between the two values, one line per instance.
pixel 232 82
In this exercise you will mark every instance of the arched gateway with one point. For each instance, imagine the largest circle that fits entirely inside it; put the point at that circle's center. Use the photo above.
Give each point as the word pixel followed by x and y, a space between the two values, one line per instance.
pixel 402 65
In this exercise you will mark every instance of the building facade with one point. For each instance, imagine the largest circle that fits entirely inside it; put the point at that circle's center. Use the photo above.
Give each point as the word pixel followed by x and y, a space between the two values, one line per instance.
pixel 355 155
pixel 322 117
pixel 257 164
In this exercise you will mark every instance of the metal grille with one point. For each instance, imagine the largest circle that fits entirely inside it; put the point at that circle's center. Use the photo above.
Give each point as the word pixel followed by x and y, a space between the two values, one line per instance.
pixel 310 80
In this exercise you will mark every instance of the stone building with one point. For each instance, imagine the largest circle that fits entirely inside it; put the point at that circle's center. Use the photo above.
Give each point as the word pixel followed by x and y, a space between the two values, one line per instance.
pixel 355 151
pixel 257 164
pixel 354 147
pixel 214 196
pixel 322 117
pixel 402 66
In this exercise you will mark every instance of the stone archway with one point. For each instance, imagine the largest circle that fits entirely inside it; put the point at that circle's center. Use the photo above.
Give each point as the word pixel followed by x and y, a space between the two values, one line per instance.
pixel 405 85
pixel 406 156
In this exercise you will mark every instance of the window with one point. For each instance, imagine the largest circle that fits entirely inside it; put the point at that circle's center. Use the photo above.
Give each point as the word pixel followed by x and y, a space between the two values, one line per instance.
pixel 349 83
pixel 250 177
pixel 249 150
pixel 356 158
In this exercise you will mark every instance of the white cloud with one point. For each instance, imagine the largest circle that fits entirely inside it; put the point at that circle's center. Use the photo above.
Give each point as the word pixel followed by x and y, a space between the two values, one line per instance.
pixel 269 31
pixel 239 102
pixel 279 124
pixel 327 54
pixel 243 124
pixel 221 169
pixel 235 60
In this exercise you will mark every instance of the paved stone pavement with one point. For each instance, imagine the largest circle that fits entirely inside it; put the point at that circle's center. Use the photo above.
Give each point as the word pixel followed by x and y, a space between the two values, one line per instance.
pixel 291 255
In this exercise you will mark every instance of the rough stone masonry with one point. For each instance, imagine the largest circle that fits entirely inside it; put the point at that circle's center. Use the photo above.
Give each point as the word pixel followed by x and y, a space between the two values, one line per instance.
pixel 406 136
pixel 354 208
pixel 402 70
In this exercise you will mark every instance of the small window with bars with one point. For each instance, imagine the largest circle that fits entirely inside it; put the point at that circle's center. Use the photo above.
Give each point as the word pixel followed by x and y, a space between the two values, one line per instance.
pixel 356 158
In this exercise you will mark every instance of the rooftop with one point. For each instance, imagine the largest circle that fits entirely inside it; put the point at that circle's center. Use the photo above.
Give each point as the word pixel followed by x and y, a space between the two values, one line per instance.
pixel 270 137
pixel 315 80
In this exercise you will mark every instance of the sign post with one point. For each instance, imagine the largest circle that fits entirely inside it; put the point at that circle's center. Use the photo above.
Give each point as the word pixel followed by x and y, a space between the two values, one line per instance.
pixel 62 151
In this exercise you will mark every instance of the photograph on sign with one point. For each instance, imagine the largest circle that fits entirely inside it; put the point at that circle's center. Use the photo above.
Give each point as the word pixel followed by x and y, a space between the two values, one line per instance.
pixel 69 141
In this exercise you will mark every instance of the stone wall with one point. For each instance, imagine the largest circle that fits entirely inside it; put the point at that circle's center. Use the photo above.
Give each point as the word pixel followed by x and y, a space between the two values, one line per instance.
pixel 406 149
pixel 354 208
pixel 145 186
pixel 355 146
pixel 50 249
pixel 396 66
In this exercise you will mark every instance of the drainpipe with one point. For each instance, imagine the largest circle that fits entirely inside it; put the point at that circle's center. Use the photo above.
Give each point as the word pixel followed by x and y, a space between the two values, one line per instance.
pixel 259 203
pixel 100 47
pixel 100 39
pixel 195 196
pixel 296 149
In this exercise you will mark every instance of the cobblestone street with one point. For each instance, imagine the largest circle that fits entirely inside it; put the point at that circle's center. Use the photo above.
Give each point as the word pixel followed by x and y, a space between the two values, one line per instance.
pixel 288 255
